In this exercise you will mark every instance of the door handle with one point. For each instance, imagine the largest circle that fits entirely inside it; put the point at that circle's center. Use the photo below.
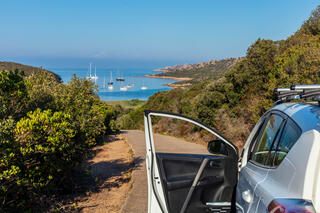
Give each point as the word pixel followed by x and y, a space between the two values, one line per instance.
pixel 247 196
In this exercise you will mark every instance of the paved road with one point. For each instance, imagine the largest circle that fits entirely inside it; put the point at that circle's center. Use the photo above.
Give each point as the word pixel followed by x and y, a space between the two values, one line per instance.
pixel 137 201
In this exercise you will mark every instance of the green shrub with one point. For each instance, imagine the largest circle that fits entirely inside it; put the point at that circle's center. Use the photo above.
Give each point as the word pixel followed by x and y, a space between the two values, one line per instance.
pixel 40 148
pixel 9 165
pixel 42 88
pixel 38 156
pixel 13 94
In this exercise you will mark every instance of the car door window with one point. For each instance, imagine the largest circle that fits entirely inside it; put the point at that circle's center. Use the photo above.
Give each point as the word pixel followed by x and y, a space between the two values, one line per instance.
pixel 267 136
pixel 290 135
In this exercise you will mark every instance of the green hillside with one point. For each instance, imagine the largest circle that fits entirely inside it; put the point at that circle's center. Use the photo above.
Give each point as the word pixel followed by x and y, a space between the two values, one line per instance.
pixel 28 70
pixel 199 72
pixel 234 102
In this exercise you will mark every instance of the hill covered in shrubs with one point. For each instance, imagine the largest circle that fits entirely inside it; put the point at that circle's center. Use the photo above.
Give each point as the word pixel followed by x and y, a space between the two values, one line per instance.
pixel 46 129
pixel 28 70
pixel 199 72
pixel 234 102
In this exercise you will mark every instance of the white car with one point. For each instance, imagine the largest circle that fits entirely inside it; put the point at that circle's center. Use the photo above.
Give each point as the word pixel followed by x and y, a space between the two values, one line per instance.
pixel 278 171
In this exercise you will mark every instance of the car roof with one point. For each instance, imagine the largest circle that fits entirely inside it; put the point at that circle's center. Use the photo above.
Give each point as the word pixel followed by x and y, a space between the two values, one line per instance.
pixel 306 115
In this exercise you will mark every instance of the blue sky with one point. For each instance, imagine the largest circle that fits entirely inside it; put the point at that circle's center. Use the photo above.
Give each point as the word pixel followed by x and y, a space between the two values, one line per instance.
pixel 141 33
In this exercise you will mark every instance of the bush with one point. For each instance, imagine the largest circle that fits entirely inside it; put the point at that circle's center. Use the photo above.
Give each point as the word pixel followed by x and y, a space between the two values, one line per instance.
pixel 37 156
pixel 13 95
pixel 40 148
pixel 9 166
pixel 47 144
pixel 89 115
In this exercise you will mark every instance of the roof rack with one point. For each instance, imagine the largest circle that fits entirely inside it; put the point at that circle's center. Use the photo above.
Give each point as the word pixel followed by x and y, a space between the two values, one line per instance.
pixel 295 92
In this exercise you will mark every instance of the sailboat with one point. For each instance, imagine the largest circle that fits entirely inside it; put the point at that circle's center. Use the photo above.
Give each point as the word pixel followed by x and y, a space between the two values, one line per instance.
pixel 110 81
pixel 143 86
pixel 92 77
pixel 95 77
pixel 123 88
pixel 89 77
pixel 119 78
pixel 130 85
pixel 104 83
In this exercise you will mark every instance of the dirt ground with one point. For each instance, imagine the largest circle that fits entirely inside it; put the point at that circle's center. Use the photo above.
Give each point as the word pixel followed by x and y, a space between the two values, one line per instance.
pixel 107 181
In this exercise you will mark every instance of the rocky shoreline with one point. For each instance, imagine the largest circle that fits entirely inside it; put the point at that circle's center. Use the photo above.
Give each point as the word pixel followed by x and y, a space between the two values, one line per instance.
pixel 178 85
pixel 169 77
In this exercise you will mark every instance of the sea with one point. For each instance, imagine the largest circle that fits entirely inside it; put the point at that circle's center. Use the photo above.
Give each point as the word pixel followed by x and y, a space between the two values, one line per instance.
pixel 131 76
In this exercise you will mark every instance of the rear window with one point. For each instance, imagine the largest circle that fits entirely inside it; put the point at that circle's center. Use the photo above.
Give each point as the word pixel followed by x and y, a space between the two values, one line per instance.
pixel 289 137
pixel 268 134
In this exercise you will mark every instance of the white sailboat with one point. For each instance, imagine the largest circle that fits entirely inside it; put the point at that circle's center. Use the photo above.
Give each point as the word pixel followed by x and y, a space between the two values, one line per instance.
pixel 144 87
pixel 110 81
pixel 123 88
pixel 89 77
pixel 95 77
pixel 92 77
pixel 104 82
pixel 130 85
pixel 110 87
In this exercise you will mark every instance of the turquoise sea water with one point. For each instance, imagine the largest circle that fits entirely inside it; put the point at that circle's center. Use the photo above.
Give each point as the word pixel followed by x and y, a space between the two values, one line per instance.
pixel 153 84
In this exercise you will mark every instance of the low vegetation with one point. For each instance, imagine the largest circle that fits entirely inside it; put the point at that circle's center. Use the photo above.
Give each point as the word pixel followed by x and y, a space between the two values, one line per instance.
pixel 200 72
pixel 28 70
pixel 46 129
pixel 233 103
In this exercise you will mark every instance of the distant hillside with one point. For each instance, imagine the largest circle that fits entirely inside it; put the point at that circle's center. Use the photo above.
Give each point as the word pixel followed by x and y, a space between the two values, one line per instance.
pixel 234 102
pixel 28 70
pixel 198 72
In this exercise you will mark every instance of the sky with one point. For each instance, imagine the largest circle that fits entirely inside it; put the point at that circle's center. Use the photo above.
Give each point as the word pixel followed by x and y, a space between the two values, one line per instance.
pixel 141 33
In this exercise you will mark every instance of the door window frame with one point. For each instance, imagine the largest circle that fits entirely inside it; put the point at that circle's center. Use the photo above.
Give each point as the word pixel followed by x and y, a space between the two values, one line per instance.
pixel 149 113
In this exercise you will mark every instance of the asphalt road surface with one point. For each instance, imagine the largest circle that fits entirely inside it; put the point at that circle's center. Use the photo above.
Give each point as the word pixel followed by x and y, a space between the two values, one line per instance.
pixel 137 201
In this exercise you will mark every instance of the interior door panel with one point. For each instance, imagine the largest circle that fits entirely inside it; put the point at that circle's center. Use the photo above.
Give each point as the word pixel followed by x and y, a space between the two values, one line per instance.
pixel 215 184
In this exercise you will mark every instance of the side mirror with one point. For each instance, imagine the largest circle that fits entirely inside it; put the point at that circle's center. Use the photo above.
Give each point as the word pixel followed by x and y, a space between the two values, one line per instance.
pixel 217 146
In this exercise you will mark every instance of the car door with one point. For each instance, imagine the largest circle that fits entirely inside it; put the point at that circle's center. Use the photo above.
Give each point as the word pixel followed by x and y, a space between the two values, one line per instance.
pixel 190 182
pixel 255 171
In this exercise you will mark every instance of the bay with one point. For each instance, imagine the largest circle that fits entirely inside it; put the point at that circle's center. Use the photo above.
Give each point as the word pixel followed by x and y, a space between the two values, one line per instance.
pixel 130 75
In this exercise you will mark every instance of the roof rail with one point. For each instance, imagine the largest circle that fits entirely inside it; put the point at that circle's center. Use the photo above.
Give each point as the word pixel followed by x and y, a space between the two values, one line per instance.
pixel 306 92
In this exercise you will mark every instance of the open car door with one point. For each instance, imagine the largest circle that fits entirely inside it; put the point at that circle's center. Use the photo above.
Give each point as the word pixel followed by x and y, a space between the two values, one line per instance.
pixel 190 182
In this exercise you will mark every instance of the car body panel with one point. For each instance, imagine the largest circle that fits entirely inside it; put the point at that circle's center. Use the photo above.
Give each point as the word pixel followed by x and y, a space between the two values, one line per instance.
pixel 298 174
pixel 250 179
